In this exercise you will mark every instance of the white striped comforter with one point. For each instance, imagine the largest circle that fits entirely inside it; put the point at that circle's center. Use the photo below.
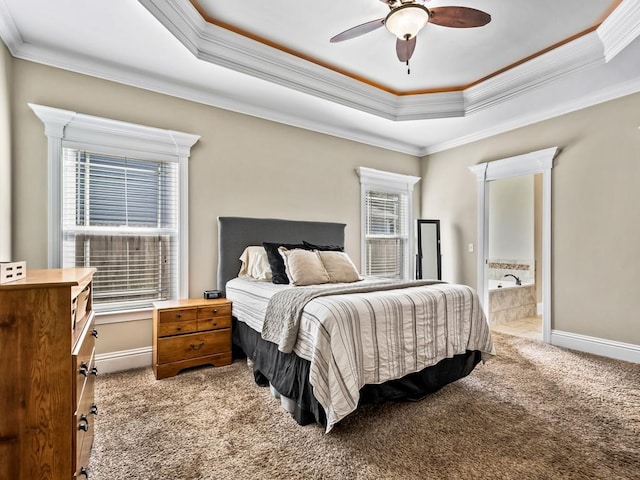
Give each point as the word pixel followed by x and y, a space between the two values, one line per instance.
pixel 364 338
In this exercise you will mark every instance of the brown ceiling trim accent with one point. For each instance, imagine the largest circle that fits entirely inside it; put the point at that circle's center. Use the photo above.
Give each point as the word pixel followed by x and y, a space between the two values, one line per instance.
pixel 209 19
pixel 609 11
pixel 531 57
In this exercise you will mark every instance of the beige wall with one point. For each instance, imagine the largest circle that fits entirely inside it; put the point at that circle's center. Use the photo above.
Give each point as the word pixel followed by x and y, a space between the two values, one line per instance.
pixel 241 166
pixel 594 213
pixel 6 63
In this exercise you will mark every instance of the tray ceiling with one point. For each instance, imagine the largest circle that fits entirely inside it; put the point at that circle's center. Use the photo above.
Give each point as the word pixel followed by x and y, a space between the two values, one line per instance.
pixel 273 60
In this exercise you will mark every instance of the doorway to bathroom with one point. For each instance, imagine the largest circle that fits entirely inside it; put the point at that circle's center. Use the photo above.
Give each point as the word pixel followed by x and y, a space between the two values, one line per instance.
pixel 538 162
pixel 514 255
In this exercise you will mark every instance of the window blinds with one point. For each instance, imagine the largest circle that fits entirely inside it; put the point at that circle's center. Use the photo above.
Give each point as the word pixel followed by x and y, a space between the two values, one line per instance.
pixel 120 216
pixel 386 233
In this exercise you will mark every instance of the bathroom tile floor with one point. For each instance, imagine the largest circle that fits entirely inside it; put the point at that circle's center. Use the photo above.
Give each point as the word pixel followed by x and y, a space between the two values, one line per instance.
pixel 530 327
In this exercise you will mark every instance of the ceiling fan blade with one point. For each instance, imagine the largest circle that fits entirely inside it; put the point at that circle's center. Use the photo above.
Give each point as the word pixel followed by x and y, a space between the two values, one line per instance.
pixel 458 17
pixel 405 48
pixel 358 30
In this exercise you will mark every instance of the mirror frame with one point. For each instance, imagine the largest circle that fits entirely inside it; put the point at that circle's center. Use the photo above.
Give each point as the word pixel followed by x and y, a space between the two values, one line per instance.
pixel 419 254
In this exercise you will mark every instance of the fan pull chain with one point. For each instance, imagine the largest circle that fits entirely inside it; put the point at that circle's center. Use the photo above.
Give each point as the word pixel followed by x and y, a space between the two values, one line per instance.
pixel 408 69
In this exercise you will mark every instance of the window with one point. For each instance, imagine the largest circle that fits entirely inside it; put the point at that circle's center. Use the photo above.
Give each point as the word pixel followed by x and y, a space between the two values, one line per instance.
pixel 118 196
pixel 120 216
pixel 386 223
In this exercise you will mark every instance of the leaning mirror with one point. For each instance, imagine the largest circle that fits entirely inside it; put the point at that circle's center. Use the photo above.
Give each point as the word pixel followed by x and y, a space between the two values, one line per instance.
pixel 428 264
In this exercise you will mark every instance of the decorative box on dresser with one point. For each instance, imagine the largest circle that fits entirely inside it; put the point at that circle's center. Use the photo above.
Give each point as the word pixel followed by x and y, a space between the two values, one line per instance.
pixel 189 333
pixel 47 372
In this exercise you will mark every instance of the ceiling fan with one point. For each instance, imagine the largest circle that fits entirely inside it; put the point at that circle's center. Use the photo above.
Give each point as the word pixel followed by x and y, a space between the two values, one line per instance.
pixel 408 17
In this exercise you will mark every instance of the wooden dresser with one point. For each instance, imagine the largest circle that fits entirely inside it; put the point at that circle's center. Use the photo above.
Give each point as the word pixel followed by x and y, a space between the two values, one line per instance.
pixel 190 332
pixel 47 372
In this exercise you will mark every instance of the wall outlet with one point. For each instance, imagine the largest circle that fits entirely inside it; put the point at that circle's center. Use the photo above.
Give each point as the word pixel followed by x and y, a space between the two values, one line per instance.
pixel 471 248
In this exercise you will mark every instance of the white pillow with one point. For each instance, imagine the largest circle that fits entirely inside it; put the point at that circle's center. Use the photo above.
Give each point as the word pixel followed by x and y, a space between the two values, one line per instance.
pixel 303 267
pixel 255 264
pixel 339 267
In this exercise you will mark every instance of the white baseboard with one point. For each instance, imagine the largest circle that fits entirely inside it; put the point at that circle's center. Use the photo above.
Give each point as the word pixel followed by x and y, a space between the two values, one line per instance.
pixel 598 346
pixel 123 360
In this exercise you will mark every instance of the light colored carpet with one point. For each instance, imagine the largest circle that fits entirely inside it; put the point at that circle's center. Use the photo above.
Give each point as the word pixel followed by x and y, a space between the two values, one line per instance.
pixel 533 412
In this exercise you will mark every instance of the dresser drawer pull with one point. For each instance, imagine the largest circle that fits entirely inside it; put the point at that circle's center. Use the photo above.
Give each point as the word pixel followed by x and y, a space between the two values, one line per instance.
pixel 84 369
pixel 178 315
pixel 84 471
pixel 196 347
pixel 94 332
pixel 84 423
pixel 215 324
pixel 215 310
pixel 94 371
pixel 178 329
pixel 93 410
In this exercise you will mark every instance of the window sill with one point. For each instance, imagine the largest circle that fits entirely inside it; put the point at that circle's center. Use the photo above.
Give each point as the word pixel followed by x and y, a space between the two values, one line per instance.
pixel 123 316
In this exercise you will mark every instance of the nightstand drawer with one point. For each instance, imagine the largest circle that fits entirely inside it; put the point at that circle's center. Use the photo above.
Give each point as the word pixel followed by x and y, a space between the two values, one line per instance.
pixel 214 323
pixel 182 315
pixel 222 310
pixel 173 349
pixel 177 328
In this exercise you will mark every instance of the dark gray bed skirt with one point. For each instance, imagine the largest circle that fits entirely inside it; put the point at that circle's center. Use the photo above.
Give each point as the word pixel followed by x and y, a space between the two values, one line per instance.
pixel 289 375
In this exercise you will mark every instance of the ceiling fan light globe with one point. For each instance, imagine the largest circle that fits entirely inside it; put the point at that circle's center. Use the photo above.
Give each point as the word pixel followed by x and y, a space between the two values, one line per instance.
pixel 406 21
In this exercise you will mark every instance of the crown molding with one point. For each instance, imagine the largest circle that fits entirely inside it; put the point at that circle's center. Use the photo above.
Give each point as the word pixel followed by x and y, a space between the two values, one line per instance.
pixel 234 51
pixel 620 28
pixel 524 119
pixel 580 54
pixel 10 33
pixel 169 86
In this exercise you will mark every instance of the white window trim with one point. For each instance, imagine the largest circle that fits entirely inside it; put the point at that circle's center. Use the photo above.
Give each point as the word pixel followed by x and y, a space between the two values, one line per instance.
pixel 67 128
pixel 387 182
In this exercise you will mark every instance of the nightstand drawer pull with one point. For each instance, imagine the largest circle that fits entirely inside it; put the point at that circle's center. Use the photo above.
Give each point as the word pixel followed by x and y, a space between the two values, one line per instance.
pixel 93 410
pixel 94 371
pixel 94 332
pixel 85 472
pixel 196 347
pixel 84 369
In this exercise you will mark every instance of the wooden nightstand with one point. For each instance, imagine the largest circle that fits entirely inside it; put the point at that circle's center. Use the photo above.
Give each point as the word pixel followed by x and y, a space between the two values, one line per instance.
pixel 190 332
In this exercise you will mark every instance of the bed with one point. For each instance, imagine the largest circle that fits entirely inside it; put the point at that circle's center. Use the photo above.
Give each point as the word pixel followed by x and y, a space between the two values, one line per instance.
pixel 330 365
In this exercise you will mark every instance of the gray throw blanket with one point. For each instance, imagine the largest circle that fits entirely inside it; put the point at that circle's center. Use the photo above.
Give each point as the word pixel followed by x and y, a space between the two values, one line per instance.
pixel 282 318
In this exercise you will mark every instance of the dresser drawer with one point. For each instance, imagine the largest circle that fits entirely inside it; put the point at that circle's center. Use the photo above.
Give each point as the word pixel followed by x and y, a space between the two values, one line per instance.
pixel 82 359
pixel 84 424
pixel 173 349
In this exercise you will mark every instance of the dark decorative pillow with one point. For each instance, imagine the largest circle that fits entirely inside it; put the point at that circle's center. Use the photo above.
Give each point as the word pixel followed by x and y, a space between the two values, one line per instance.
pixel 276 262
pixel 324 248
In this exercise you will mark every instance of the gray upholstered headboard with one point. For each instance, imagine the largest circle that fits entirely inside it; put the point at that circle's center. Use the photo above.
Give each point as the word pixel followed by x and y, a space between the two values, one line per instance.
pixel 237 233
